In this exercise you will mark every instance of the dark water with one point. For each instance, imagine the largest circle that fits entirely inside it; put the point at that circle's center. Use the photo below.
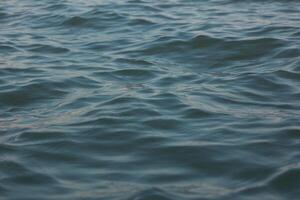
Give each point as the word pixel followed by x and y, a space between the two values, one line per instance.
pixel 150 100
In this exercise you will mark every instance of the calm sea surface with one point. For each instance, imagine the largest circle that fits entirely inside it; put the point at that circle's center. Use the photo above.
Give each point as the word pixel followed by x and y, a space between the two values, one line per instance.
pixel 149 100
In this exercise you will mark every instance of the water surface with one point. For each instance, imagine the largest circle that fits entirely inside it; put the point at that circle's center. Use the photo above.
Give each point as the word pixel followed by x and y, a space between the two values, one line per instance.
pixel 141 99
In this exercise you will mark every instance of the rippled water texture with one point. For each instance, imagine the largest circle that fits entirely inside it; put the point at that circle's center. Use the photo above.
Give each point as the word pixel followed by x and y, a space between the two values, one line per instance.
pixel 150 100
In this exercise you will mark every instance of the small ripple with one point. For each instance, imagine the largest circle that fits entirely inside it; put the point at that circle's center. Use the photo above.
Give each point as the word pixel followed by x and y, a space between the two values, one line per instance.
pixel 17 174
pixel 200 46
pixel 27 137
pixel 30 179
pixel 165 124
pixel 141 22
pixel 75 21
pixel 153 193
pixel 56 6
pixel 105 121
pixel 288 53
pixel 180 45
pixel 288 75
pixel 195 113
pixel 287 181
pixel 290 133
pixel 120 100
pixel 30 93
pixel 80 82
pixel 7 49
pixel 268 84
pixel 134 73
pixel 140 112
pixel 43 48
pixel 10 71
pixel 104 14
pixel 134 61
pixel 3 15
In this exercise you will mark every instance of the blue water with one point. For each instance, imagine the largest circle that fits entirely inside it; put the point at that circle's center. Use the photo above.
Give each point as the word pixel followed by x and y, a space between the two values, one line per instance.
pixel 149 100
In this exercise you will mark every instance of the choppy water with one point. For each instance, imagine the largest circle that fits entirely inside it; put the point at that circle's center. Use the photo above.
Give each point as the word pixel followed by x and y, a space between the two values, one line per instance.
pixel 144 99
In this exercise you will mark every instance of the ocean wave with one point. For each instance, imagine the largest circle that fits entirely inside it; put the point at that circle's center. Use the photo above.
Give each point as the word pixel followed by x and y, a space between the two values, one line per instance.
pixel 149 100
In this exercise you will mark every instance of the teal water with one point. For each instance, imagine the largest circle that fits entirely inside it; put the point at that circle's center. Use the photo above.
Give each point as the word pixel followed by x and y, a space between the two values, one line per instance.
pixel 149 100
